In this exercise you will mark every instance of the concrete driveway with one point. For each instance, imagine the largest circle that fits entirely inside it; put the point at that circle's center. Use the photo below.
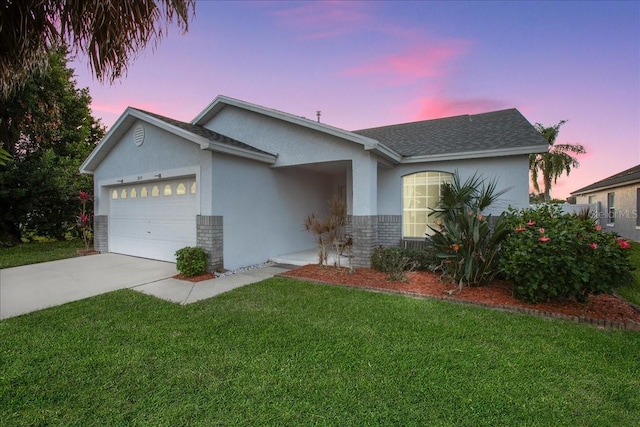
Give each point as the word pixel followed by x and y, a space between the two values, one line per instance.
pixel 37 286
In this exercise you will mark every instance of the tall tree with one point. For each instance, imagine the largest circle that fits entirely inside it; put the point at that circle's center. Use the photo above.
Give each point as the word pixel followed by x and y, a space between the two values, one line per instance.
pixel 47 127
pixel 552 164
pixel 109 33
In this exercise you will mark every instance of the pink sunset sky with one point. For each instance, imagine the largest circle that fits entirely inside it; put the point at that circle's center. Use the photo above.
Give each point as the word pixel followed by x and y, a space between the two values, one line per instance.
pixel 367 64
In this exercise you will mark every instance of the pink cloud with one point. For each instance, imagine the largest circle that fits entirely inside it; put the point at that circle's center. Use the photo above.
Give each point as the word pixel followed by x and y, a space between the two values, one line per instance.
pixel 436 107
pixel 325 19
pixel 427 60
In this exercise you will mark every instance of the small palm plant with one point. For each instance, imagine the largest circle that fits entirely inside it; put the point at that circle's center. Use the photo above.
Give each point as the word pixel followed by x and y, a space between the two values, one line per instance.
pixel 468 242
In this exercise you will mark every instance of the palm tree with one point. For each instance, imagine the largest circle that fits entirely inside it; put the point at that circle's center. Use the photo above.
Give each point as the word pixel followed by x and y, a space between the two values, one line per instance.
pixel 555 162
pixel 109 33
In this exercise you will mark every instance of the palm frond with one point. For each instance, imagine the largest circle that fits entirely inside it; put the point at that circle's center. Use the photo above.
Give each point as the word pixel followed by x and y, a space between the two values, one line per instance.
pixel 110 33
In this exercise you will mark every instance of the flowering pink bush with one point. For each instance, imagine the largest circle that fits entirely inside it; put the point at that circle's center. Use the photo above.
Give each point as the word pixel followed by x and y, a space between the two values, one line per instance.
pixel 83 219
pixel 565 257
pixel 623 244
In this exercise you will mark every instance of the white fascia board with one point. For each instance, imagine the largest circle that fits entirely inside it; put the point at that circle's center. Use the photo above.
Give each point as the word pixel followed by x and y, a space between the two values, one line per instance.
pixel 606 187
pixel 477 154
pixel 207 144
pixel 240 152
pixel 386 152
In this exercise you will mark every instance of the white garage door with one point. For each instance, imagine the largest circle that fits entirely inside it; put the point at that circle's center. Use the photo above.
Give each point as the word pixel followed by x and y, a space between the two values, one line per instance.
pixel 153 220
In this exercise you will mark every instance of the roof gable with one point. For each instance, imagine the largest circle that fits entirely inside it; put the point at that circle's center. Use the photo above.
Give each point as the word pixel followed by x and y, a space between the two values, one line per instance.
pixel 206 133
pixel 367 143
pixel 205 138
pixel 629 176
pixel 499 131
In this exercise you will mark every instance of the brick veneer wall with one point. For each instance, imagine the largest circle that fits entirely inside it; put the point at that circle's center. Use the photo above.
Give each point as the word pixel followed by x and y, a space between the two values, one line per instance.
pixel 389 230
pixel 209 236
pixel 364 229
pixel 101 233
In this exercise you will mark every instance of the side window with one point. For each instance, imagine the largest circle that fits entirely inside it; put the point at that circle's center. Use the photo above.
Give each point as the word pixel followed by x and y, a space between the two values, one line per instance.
pixel 637 207
pixel 155 191
pixel 134 193
pixel 181 190
pixel 123 193
pixel 168 191
pixel 114 194
pixel 193 188
pixel 143 192
pixel 611 208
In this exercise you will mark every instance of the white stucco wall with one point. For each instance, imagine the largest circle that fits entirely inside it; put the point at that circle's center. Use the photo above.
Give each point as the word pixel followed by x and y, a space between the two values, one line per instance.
pixel 293 144
pixel 510 172
pixel 264 208
pixel 161 153
pixel 297 145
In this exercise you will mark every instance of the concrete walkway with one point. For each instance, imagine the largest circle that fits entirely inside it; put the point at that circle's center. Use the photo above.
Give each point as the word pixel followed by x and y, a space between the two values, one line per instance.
pixel 34 287
pixel 185 292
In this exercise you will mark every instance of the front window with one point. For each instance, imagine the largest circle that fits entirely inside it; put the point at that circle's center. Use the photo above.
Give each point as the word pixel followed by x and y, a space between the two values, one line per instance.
pixel 421 196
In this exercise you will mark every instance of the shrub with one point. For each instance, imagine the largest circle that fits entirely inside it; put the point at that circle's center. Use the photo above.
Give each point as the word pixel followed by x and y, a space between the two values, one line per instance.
pixel 423 258
pixel 330 231
pixel 394 261
pixel 467 245
pixel 551 255
pixel 191 261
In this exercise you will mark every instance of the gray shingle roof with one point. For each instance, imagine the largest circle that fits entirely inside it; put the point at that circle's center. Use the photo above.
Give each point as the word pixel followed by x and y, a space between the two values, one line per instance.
pixel 206 133
pixel 625 177
pixel 468 133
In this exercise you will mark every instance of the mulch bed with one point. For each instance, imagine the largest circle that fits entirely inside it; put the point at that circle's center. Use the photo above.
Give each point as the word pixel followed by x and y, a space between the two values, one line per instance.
pixel 195 279
pixel 601 310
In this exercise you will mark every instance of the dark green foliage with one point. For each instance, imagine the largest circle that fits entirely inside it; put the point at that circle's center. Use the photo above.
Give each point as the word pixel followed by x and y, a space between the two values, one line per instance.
pixel 468 243
pixel 48 129
pixel 551 255
pixel 191 261
pixel 385 259
pixel 393 261
pixel 422 258
pixel 398 261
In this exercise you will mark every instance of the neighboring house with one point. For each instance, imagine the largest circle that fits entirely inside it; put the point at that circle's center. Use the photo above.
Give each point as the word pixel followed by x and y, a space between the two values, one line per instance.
pixel 618 200
pixel 239 179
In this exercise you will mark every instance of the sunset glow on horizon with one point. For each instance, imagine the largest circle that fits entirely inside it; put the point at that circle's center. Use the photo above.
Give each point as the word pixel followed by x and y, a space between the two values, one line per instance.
pixel 368 64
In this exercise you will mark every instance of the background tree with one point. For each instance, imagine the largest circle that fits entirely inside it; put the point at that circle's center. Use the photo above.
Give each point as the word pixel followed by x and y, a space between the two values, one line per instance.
pixel 48 128
pixel 552 164
pixel 109 33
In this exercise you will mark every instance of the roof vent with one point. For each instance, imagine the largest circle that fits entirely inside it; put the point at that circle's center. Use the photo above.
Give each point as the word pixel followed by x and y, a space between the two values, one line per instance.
pixel 138 135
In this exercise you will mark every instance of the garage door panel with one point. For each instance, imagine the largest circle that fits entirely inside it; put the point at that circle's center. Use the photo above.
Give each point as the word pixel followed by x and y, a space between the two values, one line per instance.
pixel 152 227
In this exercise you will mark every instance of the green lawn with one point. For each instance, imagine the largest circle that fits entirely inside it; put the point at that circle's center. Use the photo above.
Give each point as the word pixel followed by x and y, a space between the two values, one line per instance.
pixel 284 352
pixel 39 251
